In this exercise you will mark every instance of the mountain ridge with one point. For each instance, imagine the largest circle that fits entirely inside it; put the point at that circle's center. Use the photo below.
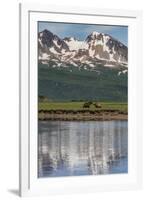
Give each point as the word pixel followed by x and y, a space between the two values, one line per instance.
pixel 97 48
pixel 93 69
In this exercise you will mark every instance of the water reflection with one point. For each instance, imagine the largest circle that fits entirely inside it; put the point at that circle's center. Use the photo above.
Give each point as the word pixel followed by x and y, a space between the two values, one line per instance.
pixel 82 148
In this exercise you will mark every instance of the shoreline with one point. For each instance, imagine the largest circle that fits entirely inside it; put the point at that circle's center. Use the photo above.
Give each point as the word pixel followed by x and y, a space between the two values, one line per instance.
pixel 99 115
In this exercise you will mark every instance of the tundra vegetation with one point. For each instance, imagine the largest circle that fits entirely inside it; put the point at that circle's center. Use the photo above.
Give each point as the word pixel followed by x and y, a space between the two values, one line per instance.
pixel 88 110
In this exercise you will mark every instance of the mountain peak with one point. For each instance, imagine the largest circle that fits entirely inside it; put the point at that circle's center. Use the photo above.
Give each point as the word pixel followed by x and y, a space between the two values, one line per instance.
pixel 46 32
pixel 95 33
pixel 98 47
pixel 95 36
pixel 49 40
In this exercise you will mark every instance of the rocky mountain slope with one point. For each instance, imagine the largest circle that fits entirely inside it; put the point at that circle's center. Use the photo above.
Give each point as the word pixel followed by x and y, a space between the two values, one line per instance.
pixel 97 48
pixel 93 69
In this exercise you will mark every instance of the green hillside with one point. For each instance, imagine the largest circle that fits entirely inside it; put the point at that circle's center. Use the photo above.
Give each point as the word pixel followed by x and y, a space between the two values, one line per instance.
pixel 72 84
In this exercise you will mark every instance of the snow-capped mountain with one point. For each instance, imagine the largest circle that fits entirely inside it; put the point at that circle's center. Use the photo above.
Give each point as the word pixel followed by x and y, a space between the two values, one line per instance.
pixel 50 43
pixel 97 48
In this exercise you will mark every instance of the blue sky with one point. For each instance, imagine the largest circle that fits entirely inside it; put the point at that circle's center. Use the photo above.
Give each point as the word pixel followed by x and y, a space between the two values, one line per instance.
pixel 81 31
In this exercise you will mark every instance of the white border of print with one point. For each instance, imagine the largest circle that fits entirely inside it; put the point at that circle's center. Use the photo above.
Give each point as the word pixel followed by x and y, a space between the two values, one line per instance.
pixel 30 184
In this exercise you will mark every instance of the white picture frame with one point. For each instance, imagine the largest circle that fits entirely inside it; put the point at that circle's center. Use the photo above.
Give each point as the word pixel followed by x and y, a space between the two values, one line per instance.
pixel 29 184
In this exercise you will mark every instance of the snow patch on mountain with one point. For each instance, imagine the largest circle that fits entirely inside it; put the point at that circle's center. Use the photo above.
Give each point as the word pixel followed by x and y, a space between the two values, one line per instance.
pixel 74 44
pixel 91 52
pixel 122 72
pixel 97 48
pixel 53 50
pixel 44 56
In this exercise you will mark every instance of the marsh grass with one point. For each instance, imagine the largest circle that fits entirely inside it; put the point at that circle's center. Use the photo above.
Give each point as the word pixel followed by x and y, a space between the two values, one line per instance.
pixel 78 106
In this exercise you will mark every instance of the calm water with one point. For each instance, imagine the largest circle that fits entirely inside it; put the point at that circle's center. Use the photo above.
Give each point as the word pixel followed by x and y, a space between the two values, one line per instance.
pixel 82 148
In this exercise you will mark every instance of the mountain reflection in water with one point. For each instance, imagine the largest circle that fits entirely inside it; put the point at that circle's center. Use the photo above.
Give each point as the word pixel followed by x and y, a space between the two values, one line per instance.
pixel 82 148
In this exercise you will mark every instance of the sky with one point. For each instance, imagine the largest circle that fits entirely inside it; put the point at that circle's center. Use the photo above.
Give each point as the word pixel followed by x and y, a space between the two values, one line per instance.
pixel 81 31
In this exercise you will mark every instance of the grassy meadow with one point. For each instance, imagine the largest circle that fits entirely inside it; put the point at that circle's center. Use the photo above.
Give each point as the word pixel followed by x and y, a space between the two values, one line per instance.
pixel 75 106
